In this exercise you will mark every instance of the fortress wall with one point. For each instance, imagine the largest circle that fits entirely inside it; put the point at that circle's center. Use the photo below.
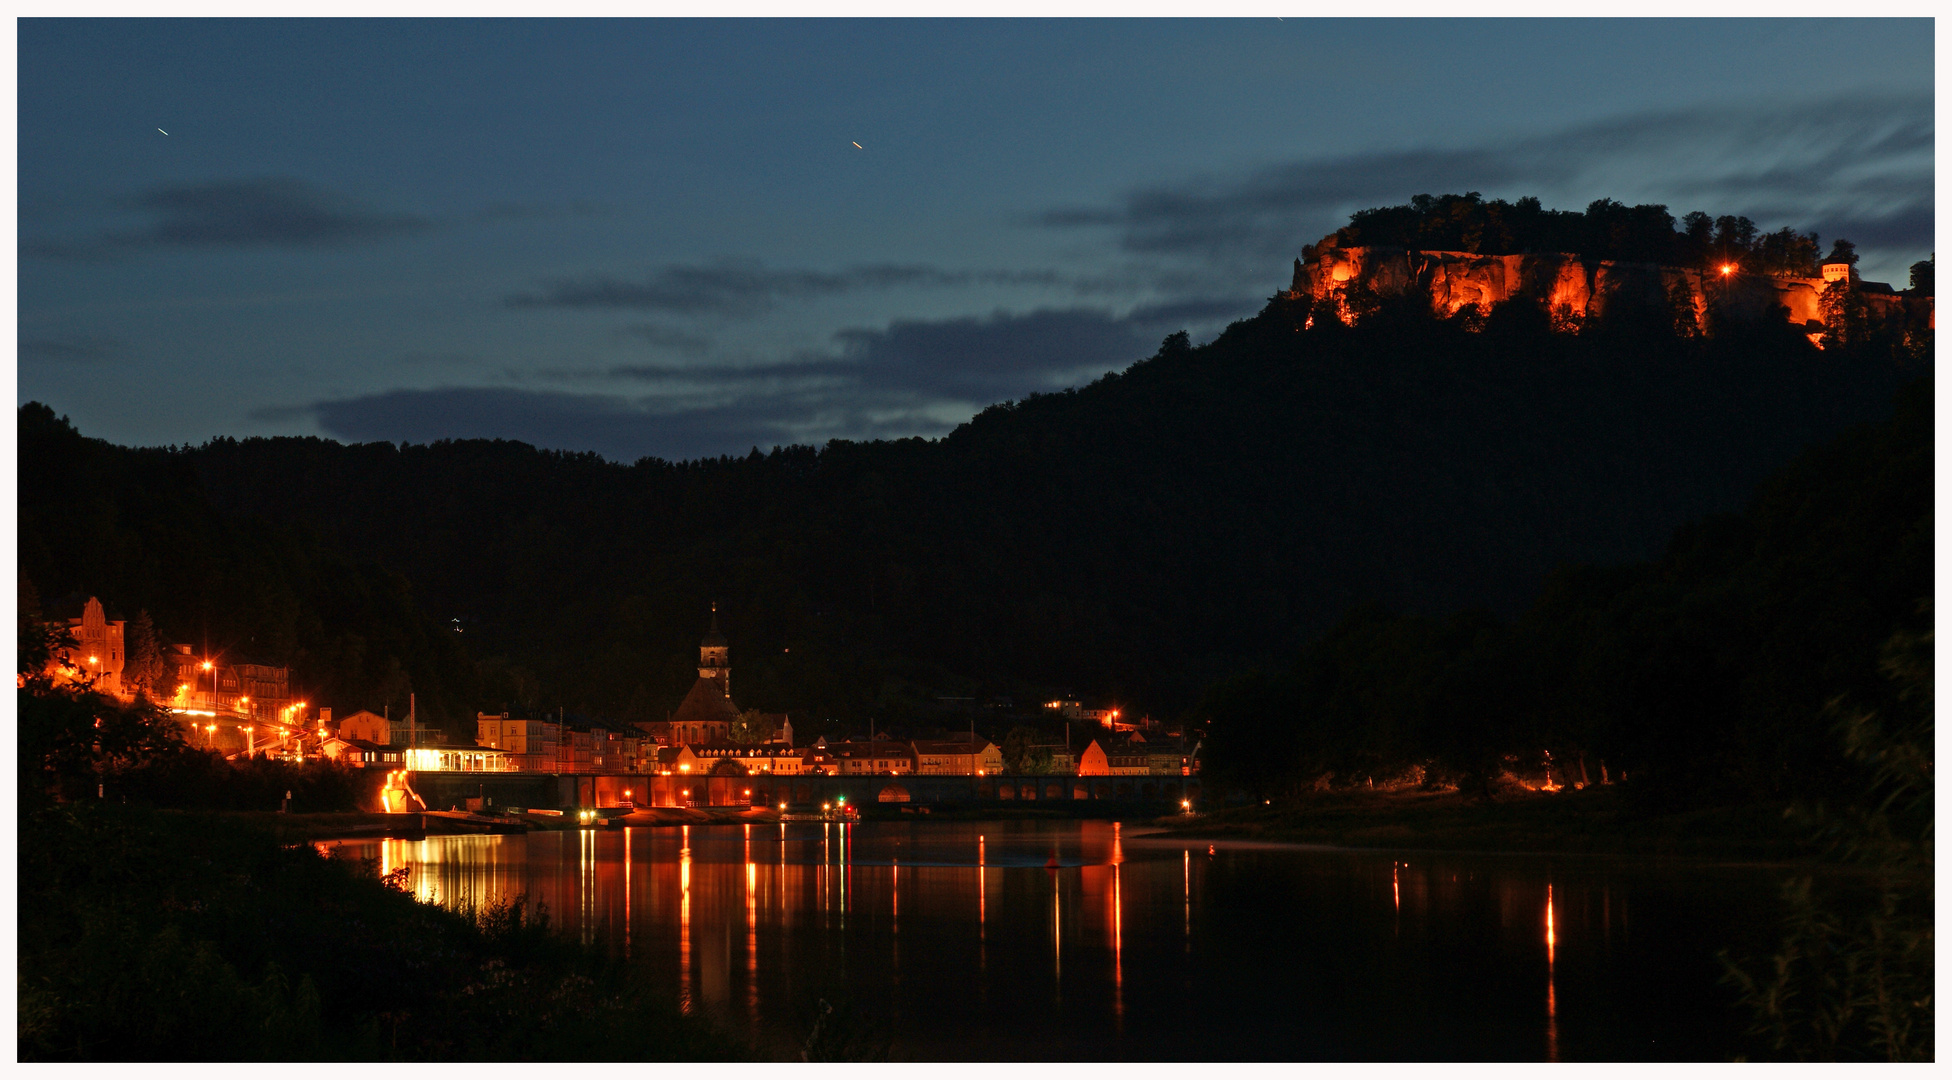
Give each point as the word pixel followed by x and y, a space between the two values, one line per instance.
pixel 1569 285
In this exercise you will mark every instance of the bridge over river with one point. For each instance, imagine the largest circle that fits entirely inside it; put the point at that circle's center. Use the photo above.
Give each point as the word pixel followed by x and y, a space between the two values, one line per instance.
pixel 571 791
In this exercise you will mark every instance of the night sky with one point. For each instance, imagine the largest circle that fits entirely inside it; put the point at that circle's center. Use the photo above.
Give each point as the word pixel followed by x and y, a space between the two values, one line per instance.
pixel 659 237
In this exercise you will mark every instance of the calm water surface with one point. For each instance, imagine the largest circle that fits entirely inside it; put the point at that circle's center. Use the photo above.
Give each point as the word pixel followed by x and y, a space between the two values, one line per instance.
pixel 956 942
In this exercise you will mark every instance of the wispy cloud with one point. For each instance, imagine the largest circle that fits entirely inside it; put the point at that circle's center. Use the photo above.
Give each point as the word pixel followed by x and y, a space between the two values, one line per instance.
pixel 271 212
pixel 733 286
pixel 1806 164
pixel 911 377
pixel 668 337
pixel 266 213
pixel 69 348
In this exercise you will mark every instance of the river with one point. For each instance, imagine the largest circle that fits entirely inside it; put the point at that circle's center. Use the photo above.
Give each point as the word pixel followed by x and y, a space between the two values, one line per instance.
pixel 957 941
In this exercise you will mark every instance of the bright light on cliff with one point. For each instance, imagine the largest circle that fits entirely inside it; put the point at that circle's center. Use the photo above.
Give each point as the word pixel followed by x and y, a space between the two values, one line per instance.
pixel 1727 269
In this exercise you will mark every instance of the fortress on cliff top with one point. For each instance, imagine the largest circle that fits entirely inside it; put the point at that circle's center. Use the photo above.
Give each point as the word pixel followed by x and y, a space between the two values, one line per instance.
pixel 1574 288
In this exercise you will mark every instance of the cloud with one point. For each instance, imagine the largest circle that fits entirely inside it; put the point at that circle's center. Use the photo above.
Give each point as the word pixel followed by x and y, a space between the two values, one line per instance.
pixel 667 337
pixel 270 212
pixel 972 360
pixel 69 348
pixel 274 212
pixel 911 377
pixel 616 427
pixel 1804 162
pixel 731 286
pixel 985 359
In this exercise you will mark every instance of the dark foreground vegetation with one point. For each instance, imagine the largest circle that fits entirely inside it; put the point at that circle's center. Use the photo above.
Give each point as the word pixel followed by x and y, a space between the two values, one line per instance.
pixel 151 932
pixel 158 936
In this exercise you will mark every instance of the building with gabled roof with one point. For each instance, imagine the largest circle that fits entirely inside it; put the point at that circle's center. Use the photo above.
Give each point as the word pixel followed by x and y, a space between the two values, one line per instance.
pixel 707 713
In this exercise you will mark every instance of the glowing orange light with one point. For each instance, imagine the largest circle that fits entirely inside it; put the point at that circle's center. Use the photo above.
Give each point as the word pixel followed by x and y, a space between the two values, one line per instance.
pixel 206 665
pixel 1550 939
pixel 1727 269
pixel 94 660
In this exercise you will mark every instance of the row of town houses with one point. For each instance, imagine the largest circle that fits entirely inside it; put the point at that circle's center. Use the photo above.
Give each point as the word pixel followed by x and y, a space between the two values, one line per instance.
pixel 505 743
pixel 249 709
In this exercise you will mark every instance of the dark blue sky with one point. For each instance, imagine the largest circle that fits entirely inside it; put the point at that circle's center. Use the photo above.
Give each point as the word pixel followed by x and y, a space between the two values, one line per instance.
pixel 658 237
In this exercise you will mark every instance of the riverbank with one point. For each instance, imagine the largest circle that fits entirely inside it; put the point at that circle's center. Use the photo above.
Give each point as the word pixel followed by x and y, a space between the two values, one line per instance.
pixel 1596 821
pixel 176 936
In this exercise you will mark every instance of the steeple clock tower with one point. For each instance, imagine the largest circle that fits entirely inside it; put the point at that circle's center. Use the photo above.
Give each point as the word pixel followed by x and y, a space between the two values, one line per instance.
pixel 713 656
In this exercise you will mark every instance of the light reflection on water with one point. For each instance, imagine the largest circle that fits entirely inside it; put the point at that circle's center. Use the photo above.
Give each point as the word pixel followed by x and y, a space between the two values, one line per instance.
pixel 962 941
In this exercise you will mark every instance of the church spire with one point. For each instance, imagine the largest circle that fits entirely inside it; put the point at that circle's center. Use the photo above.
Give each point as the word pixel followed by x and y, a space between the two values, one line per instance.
pixel 714 661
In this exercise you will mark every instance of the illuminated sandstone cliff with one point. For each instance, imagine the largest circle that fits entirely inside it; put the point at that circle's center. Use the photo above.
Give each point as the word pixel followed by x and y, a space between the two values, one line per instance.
pixel 1572 288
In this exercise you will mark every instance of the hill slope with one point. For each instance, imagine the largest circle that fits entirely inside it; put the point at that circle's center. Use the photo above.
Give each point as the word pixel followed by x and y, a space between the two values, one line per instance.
pixel 1139 536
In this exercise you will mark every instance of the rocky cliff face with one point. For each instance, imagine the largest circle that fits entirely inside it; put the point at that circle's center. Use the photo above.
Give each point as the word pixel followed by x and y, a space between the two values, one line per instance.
pixel 1571 288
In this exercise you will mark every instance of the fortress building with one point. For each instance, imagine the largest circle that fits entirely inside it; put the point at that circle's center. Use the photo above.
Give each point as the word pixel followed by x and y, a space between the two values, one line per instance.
pixel 1573 288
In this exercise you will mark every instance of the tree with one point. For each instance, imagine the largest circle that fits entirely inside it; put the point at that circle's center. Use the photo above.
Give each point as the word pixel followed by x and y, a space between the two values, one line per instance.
pixel 1852 978
pixel 1921 276
pixel 1845 318
pixel 144 671
pixel 751 727
pixel 1843 251
pixel 1023 753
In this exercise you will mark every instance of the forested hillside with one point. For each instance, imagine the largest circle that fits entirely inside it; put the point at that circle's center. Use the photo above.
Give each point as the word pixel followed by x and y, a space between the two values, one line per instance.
pixel 1722 669
pixel 1139 537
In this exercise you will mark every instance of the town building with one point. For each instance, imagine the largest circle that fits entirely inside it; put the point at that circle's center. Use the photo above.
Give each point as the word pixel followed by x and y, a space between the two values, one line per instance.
pixel 736 759
pixel 97 655
pixel 877 758
pixel 456 758
pixel 371 727
pixel 252 692
pixel 530 744
pixel 360 753
pixel 1114 758
pixel 957 758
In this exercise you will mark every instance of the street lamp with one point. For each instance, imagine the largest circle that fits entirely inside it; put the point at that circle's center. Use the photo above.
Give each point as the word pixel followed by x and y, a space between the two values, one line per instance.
pixel 250 743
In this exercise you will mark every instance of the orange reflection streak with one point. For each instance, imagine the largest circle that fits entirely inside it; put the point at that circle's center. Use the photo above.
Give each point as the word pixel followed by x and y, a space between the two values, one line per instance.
pixel 1118 949
pixel 1550 940
pixel 586 882
pixel 684 921
pixel 752 931
pixel 626 892
pixel 982 894
pixel 1395 886
pixel 1551 988
pixel 1186 883
pixel 1057 929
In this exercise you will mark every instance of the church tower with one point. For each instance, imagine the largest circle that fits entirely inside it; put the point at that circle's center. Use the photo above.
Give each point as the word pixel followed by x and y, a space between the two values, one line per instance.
pixel 707 714
pixel 713 655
